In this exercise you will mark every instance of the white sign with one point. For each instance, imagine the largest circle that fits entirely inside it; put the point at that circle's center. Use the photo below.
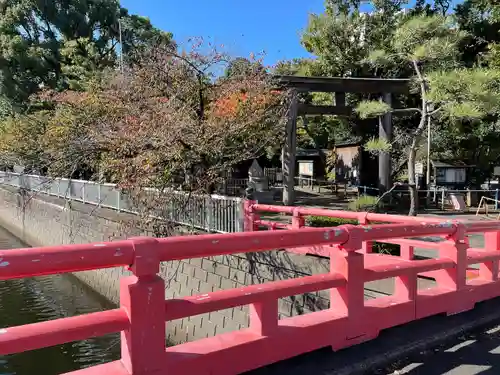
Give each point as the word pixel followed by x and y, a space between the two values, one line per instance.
pixel 419 168
pixel 496 170
pixel 306 168
pixel 458 202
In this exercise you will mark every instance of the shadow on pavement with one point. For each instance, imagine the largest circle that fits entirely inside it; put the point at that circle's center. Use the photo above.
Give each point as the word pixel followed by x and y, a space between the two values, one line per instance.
pixel 463 344
pixel 467 354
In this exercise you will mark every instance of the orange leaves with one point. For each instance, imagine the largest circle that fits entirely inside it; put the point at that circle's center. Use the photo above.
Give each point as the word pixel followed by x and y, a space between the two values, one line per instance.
pixel 167 122
pixel 230 105
pixel 241 103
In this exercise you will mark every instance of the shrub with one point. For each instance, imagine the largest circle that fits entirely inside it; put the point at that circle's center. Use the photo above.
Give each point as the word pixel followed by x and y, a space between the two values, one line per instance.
pixel 364 203
pixel 325 221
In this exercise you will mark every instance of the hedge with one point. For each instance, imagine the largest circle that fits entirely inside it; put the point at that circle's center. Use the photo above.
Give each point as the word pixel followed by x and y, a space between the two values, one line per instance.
pixel 325 221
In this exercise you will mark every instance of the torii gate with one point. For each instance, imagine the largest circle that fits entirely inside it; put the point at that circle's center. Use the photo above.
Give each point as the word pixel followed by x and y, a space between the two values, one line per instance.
pixel 385 87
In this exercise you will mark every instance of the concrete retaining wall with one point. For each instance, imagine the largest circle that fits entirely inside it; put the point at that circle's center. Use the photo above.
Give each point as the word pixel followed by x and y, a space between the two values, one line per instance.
pixel 42 220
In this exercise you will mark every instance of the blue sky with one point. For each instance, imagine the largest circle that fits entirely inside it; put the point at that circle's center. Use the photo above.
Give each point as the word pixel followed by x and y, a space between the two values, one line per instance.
pixel 243 27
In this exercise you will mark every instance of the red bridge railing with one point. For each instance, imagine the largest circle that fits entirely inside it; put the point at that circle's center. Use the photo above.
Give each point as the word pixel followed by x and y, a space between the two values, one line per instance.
pixel 350 319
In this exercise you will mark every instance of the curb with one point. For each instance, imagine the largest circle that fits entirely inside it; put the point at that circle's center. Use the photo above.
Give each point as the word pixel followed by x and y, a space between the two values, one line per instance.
pixel 392 345
pixel 484 314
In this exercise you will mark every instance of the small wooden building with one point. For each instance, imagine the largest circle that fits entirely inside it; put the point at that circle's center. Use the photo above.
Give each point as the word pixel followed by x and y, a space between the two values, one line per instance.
pixel 348 166
pixel 309 162
pixel 450 174
pixel 353 164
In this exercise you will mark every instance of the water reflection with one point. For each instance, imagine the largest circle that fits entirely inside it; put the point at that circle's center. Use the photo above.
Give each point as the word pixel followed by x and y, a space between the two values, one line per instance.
pixel 38 299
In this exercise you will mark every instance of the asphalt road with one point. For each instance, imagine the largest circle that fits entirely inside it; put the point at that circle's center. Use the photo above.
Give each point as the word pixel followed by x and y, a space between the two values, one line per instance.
pixel 476 352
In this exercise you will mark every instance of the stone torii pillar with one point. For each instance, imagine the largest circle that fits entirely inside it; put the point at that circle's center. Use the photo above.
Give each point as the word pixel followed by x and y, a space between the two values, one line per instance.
pixel 384 158
pixel 289 152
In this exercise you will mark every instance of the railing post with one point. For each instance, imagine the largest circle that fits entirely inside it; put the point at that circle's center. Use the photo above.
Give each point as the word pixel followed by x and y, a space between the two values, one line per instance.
pixel 209 211
pixel 118 199
pixel 455 248
pixel 405 286
pixel 367 246
pixel 349 299
pixel 240 214
pixel 489 270
pixel 142 296
pixel 496 199
pixel 264 317
pixel 99 193
pixel 83 192
pixel 298 220
pixel 250 216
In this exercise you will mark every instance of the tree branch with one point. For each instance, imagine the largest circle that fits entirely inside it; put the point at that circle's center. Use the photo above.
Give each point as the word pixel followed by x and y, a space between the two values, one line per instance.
pixel 435 111
pixel 27 31
pixel 104 54
pixel 406 110
pixel 201 98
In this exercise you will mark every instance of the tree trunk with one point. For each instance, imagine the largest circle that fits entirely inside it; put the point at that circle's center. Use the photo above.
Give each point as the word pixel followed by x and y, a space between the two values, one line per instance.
pixel 412 184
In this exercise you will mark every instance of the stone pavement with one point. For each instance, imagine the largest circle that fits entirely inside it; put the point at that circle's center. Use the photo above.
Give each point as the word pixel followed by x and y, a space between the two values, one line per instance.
pixel 462 344
pixel 476 352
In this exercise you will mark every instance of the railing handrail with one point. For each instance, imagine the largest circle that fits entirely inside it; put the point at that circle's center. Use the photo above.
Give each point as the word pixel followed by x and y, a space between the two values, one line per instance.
pixel 312 211
pixel 363 217
pixel 51 260
pixel 143 338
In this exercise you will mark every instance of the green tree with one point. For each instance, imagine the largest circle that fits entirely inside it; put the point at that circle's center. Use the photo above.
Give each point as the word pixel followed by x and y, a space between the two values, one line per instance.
pixel 59 43
pixel 6 108
pixel 341 37
pixel 481 20
pixel 241 66
pixel 298 67
pixel 430 46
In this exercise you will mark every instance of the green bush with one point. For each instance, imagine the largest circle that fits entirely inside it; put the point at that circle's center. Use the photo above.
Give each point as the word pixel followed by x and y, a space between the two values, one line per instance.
pixel 325 221
pixel 363 203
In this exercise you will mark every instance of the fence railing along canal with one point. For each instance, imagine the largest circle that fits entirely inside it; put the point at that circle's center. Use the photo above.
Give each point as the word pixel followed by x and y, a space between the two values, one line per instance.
pixel 212 213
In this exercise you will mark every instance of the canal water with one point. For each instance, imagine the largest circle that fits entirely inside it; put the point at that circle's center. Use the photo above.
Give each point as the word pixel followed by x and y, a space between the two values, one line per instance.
pixel 38 299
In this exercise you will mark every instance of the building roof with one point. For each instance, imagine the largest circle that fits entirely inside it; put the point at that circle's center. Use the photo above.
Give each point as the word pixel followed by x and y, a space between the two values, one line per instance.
pixel 354 142
pixel 450 164
pixel 312 152
pixel 304 152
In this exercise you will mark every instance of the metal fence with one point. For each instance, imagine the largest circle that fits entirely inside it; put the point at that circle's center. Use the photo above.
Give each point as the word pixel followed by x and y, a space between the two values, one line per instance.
pixel 440 198
pixel 213 213
pixel 236 186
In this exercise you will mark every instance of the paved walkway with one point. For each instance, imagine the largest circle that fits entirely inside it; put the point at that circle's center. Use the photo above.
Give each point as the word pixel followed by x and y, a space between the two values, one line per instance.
pixel 473 353
pixel 462 344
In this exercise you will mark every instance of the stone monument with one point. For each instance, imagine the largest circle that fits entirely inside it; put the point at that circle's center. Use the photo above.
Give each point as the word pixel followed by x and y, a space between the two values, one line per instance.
pixel 258 184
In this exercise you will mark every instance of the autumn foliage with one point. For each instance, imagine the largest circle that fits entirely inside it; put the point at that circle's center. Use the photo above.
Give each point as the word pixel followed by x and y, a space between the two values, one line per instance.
pixel 167 122
pixel 234 104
